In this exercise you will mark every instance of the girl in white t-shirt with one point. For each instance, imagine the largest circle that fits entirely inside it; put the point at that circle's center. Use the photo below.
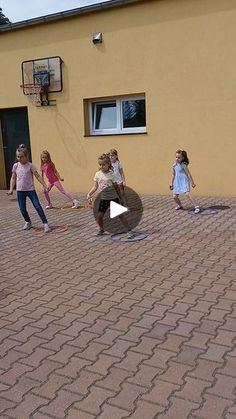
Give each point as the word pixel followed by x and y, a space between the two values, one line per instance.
pixel 105 181
pixel 119 173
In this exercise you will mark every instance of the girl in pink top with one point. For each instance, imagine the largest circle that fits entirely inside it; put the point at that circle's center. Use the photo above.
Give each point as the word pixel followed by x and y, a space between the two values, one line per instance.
pixel 49 170
pixel 23 173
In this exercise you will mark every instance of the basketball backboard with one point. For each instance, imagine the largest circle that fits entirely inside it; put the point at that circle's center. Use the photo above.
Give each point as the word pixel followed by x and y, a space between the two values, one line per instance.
pixel 44 72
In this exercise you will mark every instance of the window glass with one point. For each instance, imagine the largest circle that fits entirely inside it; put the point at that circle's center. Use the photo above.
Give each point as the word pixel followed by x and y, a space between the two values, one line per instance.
pixel 105 115
pixel 133 113
pixel 121 115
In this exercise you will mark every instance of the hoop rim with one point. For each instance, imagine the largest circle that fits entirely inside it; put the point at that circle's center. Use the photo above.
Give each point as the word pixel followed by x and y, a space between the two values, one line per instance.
pixel 36 88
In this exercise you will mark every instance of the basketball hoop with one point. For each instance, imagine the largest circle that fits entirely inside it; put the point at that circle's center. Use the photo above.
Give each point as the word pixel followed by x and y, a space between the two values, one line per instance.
pixel 40 78
pixel 35 93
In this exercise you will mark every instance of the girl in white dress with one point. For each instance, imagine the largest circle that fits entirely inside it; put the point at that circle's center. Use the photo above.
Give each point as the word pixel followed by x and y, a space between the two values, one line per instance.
pixel 181 180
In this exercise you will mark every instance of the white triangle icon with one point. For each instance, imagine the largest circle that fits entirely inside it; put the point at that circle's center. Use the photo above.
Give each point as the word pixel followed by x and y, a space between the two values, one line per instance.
pixel 116 209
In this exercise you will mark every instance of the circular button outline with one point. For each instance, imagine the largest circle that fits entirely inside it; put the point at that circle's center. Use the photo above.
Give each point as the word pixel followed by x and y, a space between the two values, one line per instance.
pixel 131 218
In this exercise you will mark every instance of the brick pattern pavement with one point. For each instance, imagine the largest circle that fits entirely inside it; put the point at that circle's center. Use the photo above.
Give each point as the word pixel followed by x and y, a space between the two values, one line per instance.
pixel 95 329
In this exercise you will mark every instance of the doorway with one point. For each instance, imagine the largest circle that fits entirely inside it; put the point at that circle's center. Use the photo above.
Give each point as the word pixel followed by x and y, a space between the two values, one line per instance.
pixel 14 131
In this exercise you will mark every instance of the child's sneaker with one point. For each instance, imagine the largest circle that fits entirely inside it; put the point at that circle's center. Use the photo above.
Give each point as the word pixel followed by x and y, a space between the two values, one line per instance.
pixel 27 226
pixel 47 229
pixel 49 206
pixel 197 210
pixel 75 204
pixel 100 232
pixel 179 207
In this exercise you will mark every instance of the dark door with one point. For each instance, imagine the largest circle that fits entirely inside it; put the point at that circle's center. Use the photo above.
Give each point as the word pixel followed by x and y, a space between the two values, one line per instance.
pixel 15 131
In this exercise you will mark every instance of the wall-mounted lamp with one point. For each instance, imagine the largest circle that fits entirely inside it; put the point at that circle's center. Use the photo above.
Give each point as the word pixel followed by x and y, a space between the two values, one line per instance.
pixel 97 37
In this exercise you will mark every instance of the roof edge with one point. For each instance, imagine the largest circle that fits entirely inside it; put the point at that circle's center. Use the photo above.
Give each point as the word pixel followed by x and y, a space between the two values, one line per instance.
pixel 68 13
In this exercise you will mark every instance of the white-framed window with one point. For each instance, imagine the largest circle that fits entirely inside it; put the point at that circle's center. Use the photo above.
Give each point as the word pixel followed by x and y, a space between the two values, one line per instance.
pixel 121 115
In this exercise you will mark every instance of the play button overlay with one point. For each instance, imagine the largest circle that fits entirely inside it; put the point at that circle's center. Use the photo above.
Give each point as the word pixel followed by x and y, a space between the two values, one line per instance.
pixel 116 209
pixel 119 216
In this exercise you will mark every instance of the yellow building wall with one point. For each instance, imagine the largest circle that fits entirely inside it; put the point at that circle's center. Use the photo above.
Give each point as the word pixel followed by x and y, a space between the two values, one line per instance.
pixel 181 53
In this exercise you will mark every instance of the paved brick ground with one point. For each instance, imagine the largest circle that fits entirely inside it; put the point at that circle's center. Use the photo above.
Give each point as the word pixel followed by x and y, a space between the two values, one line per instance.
pixel 94 329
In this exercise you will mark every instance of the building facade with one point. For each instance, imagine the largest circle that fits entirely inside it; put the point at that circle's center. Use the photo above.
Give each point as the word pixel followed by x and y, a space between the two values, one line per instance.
pixel 162 78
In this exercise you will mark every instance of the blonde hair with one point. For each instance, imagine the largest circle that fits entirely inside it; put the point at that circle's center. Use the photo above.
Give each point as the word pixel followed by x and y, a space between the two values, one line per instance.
pixel 106 157
pixel 114 152
pixel 45 152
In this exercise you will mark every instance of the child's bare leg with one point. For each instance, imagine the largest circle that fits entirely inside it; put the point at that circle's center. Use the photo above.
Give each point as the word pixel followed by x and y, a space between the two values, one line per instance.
pixel 46 194
pixel 63 191
pixel 123 196
pixel 192 200
pixel 177 200
pixel 124 222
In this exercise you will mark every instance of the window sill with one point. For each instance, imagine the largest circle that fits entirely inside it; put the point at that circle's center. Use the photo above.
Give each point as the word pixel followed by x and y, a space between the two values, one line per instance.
pixel 112 135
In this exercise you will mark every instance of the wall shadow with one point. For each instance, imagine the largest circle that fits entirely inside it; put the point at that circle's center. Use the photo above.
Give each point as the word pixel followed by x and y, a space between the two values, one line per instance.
pixel 71 140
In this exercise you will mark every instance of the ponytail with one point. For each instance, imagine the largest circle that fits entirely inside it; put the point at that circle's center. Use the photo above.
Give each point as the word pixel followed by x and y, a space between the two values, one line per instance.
pixel 185 157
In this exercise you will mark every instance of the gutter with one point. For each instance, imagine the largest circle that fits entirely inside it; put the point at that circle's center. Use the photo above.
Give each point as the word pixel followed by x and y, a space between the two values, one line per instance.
pixel 68 13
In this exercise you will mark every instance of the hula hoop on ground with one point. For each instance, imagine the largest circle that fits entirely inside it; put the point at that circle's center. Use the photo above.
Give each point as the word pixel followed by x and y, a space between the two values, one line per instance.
pixel 204 211
pixel 68 208
pixel 55 230
pixel 140 236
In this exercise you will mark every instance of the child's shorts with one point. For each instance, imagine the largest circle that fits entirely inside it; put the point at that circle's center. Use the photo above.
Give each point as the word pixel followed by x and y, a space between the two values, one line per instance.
pixel 105 204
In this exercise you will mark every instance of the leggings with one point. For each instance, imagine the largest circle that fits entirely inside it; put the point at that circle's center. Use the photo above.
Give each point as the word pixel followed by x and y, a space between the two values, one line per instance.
pixel 21 197
pixel 60 188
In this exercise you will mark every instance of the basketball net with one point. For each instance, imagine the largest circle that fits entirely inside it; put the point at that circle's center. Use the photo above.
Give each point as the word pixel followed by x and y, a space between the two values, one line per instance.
pixel 35 93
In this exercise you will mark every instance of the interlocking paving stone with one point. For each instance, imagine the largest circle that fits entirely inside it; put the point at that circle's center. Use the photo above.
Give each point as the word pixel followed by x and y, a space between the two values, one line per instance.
pixel 127 396
pixel 146 410
pixel 94 401
pixel 27 407
pixel 113 412
pixel 205 369
pixel 224 387
pixel 192 389
pixel 58 406
pixel 114 379
pixel 91 329
pixel 213 407
pixel 178 408
pixel 160 392
pixel 75 414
